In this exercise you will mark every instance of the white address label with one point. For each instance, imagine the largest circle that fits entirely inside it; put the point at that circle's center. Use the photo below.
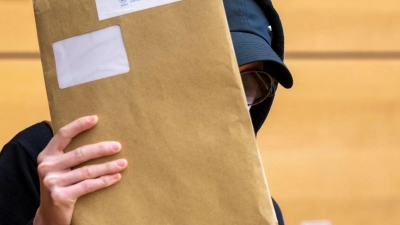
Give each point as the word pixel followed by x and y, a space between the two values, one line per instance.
pixel 112 8
pixel 90 57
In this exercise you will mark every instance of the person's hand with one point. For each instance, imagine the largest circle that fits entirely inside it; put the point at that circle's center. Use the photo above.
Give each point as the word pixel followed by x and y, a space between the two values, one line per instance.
pixel 61 186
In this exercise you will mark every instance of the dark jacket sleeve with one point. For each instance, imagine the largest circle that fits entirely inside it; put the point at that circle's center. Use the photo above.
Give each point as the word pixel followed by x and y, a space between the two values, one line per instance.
pixel 278 212
pixel 19 182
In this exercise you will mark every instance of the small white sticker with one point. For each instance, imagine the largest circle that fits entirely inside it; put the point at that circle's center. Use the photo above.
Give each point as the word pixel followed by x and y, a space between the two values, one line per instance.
pixel 316 222
pixel 112 8
pixel 89 57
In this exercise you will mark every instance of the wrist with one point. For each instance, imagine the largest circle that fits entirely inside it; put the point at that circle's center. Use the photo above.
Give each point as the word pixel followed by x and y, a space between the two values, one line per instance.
pixel 37 220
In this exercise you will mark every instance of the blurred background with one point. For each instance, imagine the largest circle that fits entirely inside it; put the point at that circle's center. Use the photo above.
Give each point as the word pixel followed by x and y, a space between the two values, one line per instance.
pixel 330 145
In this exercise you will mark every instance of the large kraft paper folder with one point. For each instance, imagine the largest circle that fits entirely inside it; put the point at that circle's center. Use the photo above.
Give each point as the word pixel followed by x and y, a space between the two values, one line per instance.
pixel 178 109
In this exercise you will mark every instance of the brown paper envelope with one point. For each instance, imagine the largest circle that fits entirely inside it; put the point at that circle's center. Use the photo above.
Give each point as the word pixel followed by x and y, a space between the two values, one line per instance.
pixel 179 113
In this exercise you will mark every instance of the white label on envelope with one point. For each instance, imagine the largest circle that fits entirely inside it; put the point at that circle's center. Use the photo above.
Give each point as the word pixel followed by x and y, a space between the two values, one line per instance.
pixel 112 8
pixel 89 57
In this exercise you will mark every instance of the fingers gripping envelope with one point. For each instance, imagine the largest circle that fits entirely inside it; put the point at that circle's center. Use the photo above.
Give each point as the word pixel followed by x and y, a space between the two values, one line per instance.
pixel 162 77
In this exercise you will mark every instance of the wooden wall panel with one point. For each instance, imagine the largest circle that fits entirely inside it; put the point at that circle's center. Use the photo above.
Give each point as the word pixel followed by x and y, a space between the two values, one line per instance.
pixel 17 24
pixel 358 25
pixel 330 146
pixel 23 100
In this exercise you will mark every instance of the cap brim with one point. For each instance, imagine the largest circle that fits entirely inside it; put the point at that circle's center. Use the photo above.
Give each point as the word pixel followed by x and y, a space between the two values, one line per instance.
pixel 251 48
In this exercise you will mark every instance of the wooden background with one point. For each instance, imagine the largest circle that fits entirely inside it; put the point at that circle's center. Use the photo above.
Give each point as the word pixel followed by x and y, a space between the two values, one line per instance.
pixel 329 147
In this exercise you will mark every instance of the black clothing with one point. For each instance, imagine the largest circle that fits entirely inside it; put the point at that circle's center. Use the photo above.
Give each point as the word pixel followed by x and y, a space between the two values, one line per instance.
pixel 19 181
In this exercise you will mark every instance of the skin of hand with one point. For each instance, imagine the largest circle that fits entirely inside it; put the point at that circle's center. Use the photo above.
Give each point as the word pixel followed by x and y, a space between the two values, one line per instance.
pixel 61 186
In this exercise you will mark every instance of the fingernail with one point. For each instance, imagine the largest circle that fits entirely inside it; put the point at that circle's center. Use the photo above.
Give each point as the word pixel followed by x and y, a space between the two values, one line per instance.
pixel 91 118
pixel 115 146
pixel 121 163
pixel 116 176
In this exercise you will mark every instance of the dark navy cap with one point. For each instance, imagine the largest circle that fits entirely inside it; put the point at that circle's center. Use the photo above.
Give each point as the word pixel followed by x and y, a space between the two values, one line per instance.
pixel 255 38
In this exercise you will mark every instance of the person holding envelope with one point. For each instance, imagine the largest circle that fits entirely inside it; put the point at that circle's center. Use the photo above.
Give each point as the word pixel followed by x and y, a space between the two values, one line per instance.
pixel 37 184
